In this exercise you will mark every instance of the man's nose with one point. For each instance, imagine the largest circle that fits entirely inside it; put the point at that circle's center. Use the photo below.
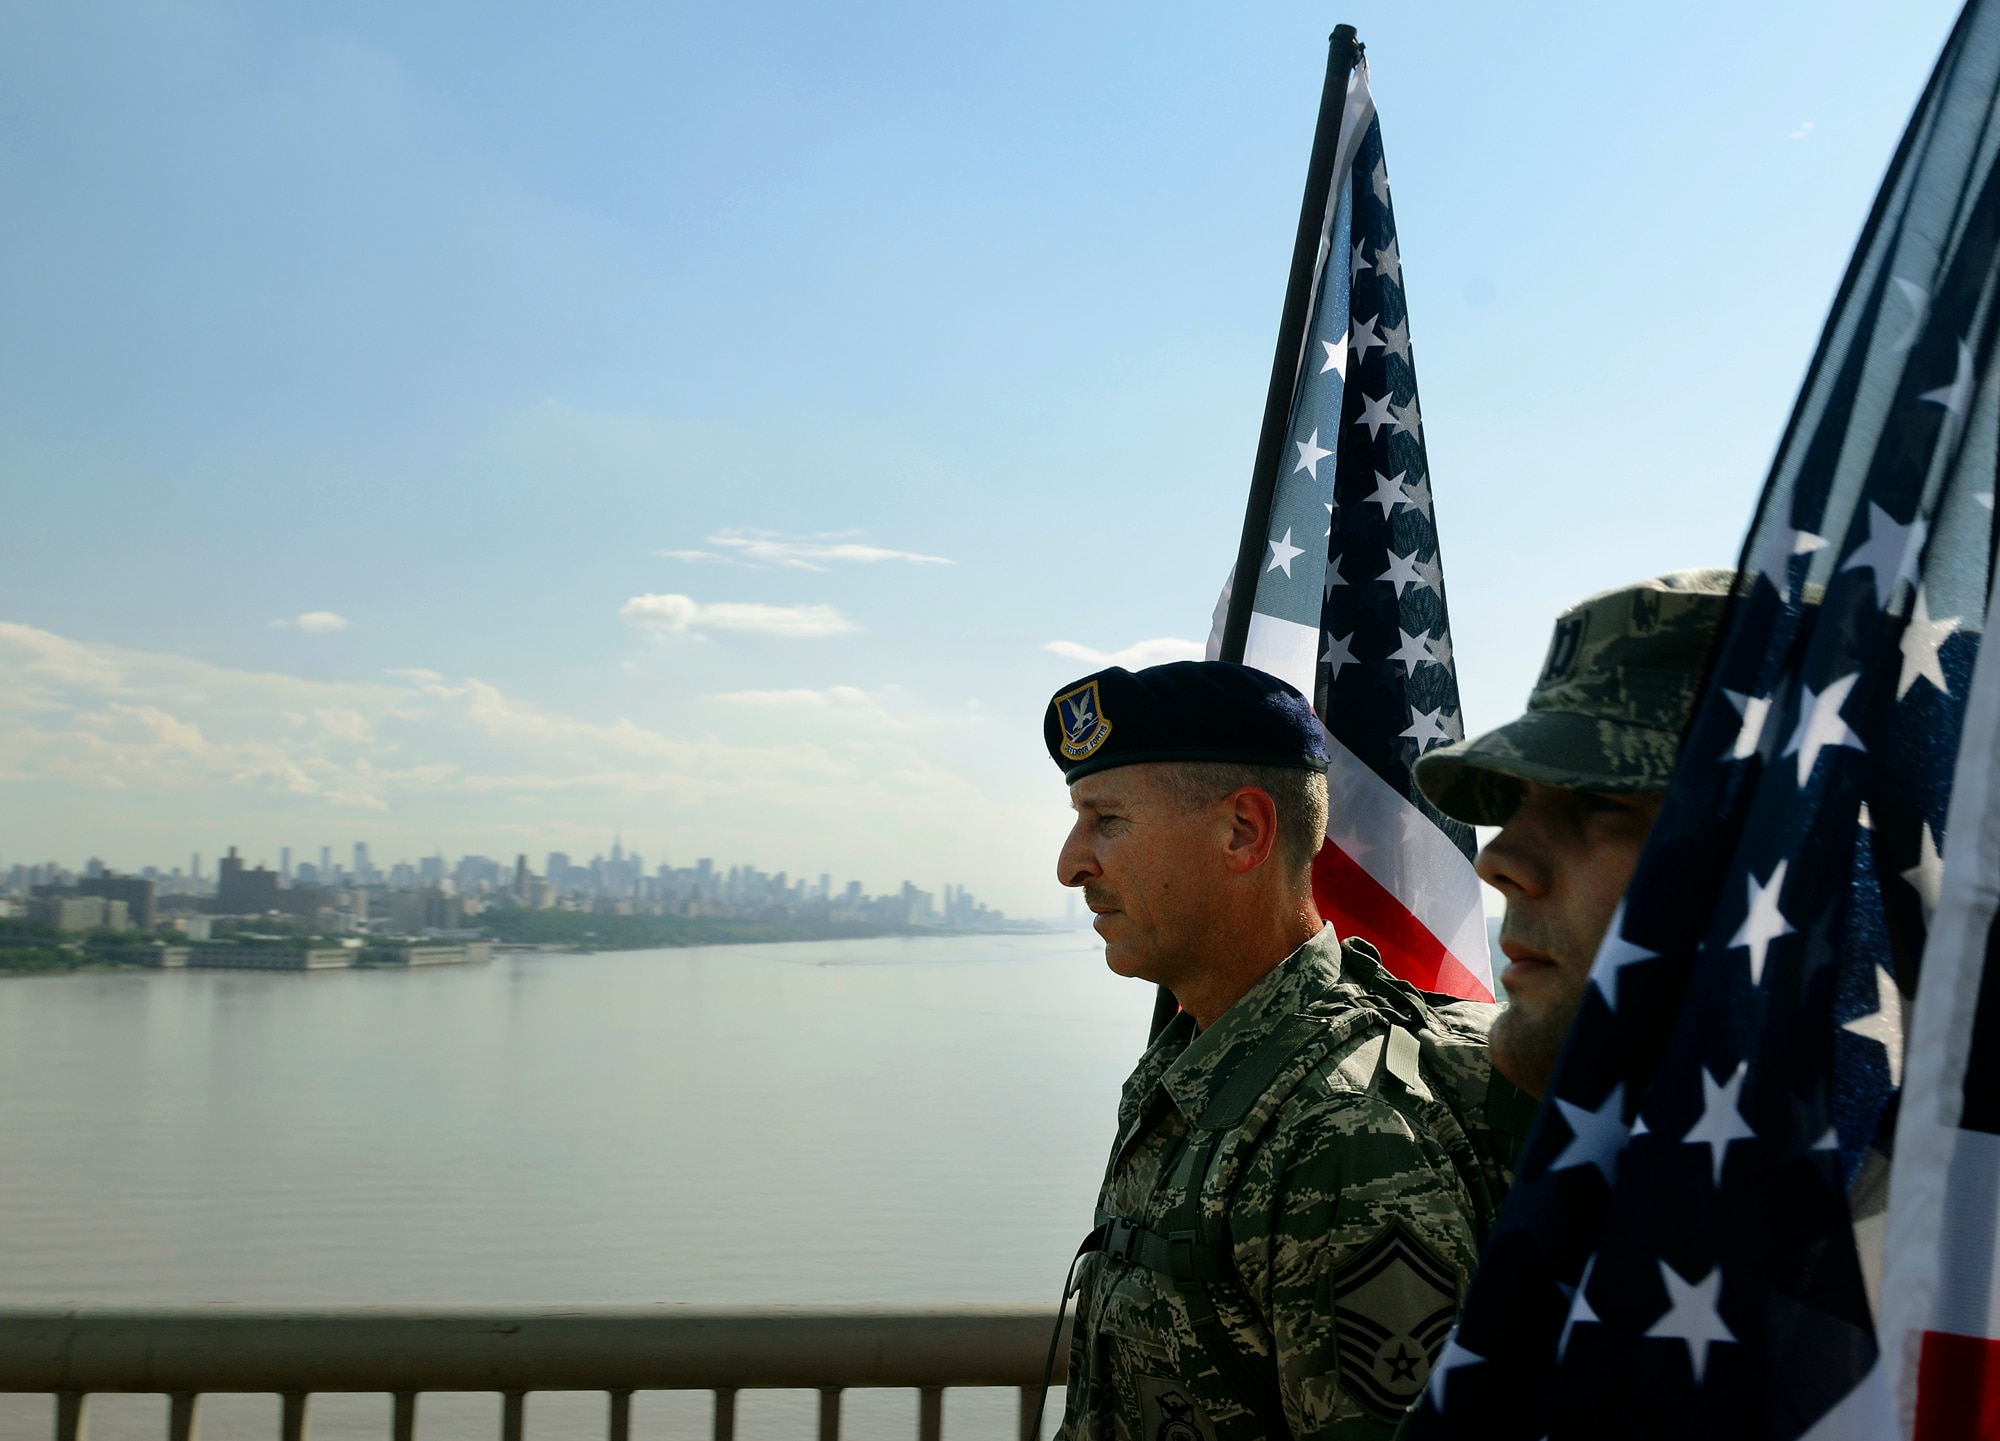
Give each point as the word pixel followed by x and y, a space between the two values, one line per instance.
pixel 1075 865
pixel 1509 863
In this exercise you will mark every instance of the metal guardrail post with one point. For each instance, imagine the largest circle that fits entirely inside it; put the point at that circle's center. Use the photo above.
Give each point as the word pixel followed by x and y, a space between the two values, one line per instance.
pixel 403 1424
pixel 829 1413
pixel 725 1413
pixel 294 1423
pixel 513 1414
pixel 1031 1410
pixel 930 1413
pixel 620 1427
pixel 71 1422
pixel 184 1416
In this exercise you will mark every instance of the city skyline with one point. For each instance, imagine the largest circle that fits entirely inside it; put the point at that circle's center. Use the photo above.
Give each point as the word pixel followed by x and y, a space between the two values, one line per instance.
pixel 238 886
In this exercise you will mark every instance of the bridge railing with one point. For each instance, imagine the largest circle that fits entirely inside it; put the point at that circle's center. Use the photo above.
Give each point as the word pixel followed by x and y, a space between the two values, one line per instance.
pixel 404 1353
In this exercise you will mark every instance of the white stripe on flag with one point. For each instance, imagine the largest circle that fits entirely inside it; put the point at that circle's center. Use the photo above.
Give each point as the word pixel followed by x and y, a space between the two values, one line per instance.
pixel 1406 853
pixel 1355 113
pixel 1940 1277
pixel 1867 1413
pixel 1397 844
pixel 1285 649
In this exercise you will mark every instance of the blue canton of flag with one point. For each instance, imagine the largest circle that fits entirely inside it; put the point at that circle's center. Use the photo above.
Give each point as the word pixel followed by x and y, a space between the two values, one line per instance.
pixel 1350 603
pixel 1693 1241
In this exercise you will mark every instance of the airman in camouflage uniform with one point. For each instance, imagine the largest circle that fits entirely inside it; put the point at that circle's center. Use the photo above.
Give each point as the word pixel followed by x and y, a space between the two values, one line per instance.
pixel 1574 785
pixel 1300 1187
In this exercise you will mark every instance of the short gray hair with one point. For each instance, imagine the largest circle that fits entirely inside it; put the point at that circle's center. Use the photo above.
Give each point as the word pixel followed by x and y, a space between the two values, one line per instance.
pixel 1298 794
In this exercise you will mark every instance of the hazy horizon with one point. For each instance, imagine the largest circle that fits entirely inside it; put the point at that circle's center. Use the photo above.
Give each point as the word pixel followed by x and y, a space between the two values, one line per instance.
pixel 725 427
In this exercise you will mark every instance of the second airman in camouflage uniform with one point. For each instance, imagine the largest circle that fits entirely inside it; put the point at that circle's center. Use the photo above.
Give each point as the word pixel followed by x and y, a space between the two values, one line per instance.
pixel 1308 1157
pixel 1574 785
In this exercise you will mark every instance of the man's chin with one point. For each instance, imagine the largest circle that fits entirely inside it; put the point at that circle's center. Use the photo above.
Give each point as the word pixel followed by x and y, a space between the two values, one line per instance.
pixel 1526 1042
pixel 1126 961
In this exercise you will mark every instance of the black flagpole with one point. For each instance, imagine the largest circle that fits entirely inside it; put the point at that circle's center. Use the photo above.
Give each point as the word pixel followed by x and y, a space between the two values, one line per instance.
pixel 1343 50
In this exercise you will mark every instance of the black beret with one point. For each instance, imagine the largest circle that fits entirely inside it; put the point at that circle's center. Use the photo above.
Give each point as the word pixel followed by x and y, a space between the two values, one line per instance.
pixel 1189 710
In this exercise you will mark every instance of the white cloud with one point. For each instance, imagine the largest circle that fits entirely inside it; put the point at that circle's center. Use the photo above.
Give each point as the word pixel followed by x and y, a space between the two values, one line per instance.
pixel 768 548
pixel 1136 656
pixel 889 709
pixel 836 697
pixel 671 613
pixel 1805 129
pixel 317 622
pixel 141 756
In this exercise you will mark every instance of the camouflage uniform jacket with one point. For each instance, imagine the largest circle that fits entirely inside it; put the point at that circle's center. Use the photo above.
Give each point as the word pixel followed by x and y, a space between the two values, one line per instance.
pixel 1354 1206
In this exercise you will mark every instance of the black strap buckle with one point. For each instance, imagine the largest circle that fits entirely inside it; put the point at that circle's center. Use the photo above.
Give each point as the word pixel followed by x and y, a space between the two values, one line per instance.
pixel 1122 1238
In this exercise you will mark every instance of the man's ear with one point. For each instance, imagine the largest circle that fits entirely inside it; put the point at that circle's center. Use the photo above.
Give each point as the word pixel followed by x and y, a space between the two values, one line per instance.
pixel 1253 829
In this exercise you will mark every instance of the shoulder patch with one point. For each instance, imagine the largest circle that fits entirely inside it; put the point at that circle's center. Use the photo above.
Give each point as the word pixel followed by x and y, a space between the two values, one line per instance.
pixel 1393 1305
pixel 1168 1413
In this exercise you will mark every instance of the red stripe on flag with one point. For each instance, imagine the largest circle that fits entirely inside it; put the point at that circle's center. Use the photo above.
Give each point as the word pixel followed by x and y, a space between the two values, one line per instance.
pixel 1358 905
pixel 1958 1388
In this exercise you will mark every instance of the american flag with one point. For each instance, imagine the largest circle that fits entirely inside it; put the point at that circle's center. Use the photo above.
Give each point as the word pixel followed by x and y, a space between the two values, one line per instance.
pixel 1694 1241
pixel 1350 602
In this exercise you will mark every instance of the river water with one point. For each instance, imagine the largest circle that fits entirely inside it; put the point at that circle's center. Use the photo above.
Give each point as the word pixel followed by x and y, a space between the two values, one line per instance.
pixel 889 1120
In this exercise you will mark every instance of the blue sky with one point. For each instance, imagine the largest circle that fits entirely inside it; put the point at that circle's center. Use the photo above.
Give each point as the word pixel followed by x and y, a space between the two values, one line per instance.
pixel 929 335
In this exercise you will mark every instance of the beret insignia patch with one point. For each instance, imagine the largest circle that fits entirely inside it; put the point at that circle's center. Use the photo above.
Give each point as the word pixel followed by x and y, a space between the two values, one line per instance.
pixel 1085 727
pixel 1393 1305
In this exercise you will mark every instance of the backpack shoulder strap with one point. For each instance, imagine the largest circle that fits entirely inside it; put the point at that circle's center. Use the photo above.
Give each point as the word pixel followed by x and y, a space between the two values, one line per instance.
pixel 1197 1252
pixel 1480 1116
pixel 1494 1114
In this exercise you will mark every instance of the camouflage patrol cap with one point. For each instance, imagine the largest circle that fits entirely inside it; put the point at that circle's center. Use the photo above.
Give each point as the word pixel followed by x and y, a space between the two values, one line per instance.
pixel 1606 714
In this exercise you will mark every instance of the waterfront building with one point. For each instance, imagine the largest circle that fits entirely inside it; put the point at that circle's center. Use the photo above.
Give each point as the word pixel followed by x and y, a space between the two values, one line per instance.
pixel 140 896
pixel 72 912
pixel 271 956
pixel 242 890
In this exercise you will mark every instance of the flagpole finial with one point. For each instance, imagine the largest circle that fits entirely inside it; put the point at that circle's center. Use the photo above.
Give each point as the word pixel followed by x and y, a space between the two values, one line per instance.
pixel 1343 39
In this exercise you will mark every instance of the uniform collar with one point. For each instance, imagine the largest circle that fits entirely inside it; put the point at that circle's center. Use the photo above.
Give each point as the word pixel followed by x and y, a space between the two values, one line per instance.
pixel 1292 986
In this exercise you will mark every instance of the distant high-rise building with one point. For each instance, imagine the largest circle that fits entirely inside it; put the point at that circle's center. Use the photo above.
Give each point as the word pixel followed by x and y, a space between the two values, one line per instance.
pixel 194 866
pixel 243 891
pixel 825 886
pixel 520 876
pixel 140 896
pixel 430 870
pixel 285 864
pixel 475 874
pixel 325 864
pixel 362 870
